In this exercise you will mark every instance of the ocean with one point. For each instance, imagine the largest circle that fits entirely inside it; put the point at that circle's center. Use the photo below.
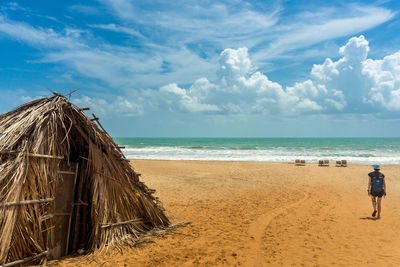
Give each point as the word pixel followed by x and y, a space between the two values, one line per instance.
pixel 354 150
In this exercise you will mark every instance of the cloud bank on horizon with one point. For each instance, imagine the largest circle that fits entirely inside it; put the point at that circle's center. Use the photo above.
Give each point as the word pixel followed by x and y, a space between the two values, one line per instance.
pixel 264 59
pixel 352 84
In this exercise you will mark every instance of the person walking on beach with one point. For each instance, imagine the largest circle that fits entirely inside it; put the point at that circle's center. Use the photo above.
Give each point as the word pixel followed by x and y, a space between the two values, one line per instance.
pixel 376 189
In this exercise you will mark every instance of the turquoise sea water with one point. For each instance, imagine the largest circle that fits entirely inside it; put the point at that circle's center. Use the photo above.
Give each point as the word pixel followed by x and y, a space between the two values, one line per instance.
pixel 355 150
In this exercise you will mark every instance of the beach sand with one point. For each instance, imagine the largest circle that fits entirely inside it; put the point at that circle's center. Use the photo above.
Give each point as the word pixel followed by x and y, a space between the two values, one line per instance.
pixel 264 214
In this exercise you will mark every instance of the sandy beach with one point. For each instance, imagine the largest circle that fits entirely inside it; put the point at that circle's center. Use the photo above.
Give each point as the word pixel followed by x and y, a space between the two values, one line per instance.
pixel 264 214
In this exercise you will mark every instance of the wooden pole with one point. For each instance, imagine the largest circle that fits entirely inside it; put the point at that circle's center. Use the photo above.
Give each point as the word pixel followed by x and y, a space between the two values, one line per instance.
pixel 98 122
pixel 24 259
pixel 24 202
pixel 70 93
pixel 32 154
pixel 119 223
pixel 72 209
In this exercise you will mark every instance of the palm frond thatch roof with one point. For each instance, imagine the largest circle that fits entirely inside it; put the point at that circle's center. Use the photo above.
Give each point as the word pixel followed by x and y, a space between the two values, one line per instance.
pixel 110 204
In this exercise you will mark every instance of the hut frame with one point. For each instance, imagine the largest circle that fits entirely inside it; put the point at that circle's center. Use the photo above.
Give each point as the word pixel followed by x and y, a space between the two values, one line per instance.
pixel 65 185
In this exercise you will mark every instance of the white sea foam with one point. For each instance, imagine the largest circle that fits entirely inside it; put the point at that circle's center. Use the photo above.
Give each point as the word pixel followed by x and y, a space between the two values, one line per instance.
pixel 267 155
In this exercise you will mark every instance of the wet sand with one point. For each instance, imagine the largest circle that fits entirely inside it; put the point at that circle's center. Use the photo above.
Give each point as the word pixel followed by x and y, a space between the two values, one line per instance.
pixel 264 214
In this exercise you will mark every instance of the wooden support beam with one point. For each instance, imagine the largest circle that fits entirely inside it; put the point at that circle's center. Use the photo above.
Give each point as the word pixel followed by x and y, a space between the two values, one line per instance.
pixel 83 109
pixel 44 253
pixel 121 147
pixel 24 202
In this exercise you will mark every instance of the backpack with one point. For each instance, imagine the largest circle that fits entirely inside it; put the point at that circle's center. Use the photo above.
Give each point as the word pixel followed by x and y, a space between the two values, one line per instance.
pixel 376 181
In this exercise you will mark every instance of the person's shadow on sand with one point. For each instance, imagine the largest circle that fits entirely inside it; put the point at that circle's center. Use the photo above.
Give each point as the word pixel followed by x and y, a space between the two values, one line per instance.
pixel 369 218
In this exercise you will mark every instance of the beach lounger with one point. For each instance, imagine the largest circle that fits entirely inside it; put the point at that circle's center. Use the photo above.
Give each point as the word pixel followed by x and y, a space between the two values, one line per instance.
pixel 341 163
pixel 297 162
pixel 323 162
pixel 302 162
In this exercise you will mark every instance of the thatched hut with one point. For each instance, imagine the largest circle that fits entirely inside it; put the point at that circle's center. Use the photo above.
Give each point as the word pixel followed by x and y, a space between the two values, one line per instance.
pixel 65 186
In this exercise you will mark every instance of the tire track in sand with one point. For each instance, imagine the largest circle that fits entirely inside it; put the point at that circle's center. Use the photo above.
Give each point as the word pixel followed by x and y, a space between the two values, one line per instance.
pixel 257 230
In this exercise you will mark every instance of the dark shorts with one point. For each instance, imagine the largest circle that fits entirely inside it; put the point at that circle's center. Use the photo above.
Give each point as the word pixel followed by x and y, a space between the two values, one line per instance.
pixel 377 193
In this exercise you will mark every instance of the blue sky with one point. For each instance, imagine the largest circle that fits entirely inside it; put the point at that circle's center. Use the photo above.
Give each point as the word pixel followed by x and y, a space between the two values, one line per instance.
pixel 210 68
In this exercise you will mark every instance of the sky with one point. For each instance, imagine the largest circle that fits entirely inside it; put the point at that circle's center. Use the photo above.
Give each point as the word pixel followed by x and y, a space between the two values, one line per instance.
pixel 210 68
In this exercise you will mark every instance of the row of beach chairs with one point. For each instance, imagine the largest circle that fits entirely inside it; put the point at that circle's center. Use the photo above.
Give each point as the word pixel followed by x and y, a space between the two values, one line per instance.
pixel 339 163
pixel 322 163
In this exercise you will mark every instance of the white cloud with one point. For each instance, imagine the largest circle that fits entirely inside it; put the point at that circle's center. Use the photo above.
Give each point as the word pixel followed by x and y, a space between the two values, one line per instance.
pixel 240 90
pixel 85 9
pixel 25 99
pixel 118 106
pixel 304 33
pixel 230 83
pixel 116 28
pixel 356 50
pixel 125 9
pixel 205 19
pixel 14 6
pixel 38 36
pixel 120 67
pixel 181 99
pixel 384 77
pixel 362 80
pixel 353 83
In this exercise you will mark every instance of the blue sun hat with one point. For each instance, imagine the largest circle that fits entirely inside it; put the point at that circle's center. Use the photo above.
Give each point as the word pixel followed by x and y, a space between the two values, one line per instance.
pixel 376 167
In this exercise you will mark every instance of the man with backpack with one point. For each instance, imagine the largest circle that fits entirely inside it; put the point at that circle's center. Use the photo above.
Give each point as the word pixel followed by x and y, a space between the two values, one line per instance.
pixel 376 189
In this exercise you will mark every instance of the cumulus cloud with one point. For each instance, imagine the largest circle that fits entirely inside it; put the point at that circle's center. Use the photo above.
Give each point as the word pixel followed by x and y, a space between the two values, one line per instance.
pixel 241 89
pixel 367 84
pixel 384 76
pixel 353 83
pixel 101 107
pixel 187 100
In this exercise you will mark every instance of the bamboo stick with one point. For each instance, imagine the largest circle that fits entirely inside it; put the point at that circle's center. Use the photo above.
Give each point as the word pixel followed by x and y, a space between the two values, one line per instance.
pixel 24 202
pixel 106 225
pixel 32 154
pixel 47 217
pixel 72 209
pixel 25 259
pixel 70 93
